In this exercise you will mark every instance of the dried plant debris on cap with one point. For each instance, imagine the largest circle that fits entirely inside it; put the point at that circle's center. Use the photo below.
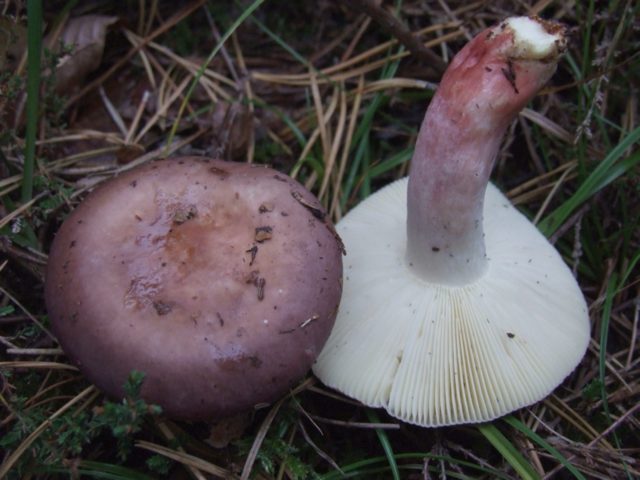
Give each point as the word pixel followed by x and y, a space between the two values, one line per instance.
pixel 455 308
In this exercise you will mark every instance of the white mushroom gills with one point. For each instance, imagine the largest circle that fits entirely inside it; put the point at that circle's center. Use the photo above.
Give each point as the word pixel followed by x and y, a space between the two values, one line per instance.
pixel 455 308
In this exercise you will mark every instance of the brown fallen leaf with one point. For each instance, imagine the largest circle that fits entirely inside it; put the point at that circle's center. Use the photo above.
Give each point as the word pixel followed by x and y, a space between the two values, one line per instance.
pixel 86 36
pixel 228 429
pixel 125 92
pixel 230 125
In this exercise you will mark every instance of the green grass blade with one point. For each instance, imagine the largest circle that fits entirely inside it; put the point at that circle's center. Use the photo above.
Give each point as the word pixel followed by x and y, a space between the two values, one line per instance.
pixel 606 172
pixel 394 161
pixel 386 445
pixel 604 339
pixel 289 49
pixel 534 437
pixel 358 468
pixel 34 47
pixel 586 45
pixel 249 10
pixel 508 451
pixel 286 119
pixel 632 265
pixel 102 470
pixel 361 136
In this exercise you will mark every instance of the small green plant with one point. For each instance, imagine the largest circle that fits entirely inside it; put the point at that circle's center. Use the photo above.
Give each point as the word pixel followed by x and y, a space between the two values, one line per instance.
pixel 126 417
pixel 21 230
pixel 69 434
pixel 7 310
pixel 53 102
pixel 278 452
pixel 159 464
pixel 275 451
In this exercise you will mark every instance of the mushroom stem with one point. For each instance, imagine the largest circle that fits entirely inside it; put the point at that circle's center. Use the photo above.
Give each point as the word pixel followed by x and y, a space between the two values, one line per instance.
pixel 488 82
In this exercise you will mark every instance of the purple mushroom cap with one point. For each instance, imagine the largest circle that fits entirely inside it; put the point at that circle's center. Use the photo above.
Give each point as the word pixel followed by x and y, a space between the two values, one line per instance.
pixel 220 281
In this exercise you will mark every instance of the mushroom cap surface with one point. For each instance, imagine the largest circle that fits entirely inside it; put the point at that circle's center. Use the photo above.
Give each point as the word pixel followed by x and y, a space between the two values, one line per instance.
pixel 436 355
pixel 220 281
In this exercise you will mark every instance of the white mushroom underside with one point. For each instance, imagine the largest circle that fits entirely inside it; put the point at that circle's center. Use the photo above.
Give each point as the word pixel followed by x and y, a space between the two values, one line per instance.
pixel 436 355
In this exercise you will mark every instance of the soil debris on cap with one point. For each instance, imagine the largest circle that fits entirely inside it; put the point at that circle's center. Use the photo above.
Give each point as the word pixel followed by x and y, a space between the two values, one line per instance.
pixel 220 172
pixel 510 74
pixel 184 214
pixel 162 308
pixel 263 234
pixel 265 207
pixel 253 251
pixel 259 282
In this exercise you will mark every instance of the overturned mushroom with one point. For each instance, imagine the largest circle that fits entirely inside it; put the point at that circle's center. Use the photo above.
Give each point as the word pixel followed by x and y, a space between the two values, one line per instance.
pixel 202 274
pixel 456 308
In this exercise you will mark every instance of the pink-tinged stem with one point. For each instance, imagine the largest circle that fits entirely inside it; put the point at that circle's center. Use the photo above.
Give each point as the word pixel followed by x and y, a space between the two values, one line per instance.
pixel 487 83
